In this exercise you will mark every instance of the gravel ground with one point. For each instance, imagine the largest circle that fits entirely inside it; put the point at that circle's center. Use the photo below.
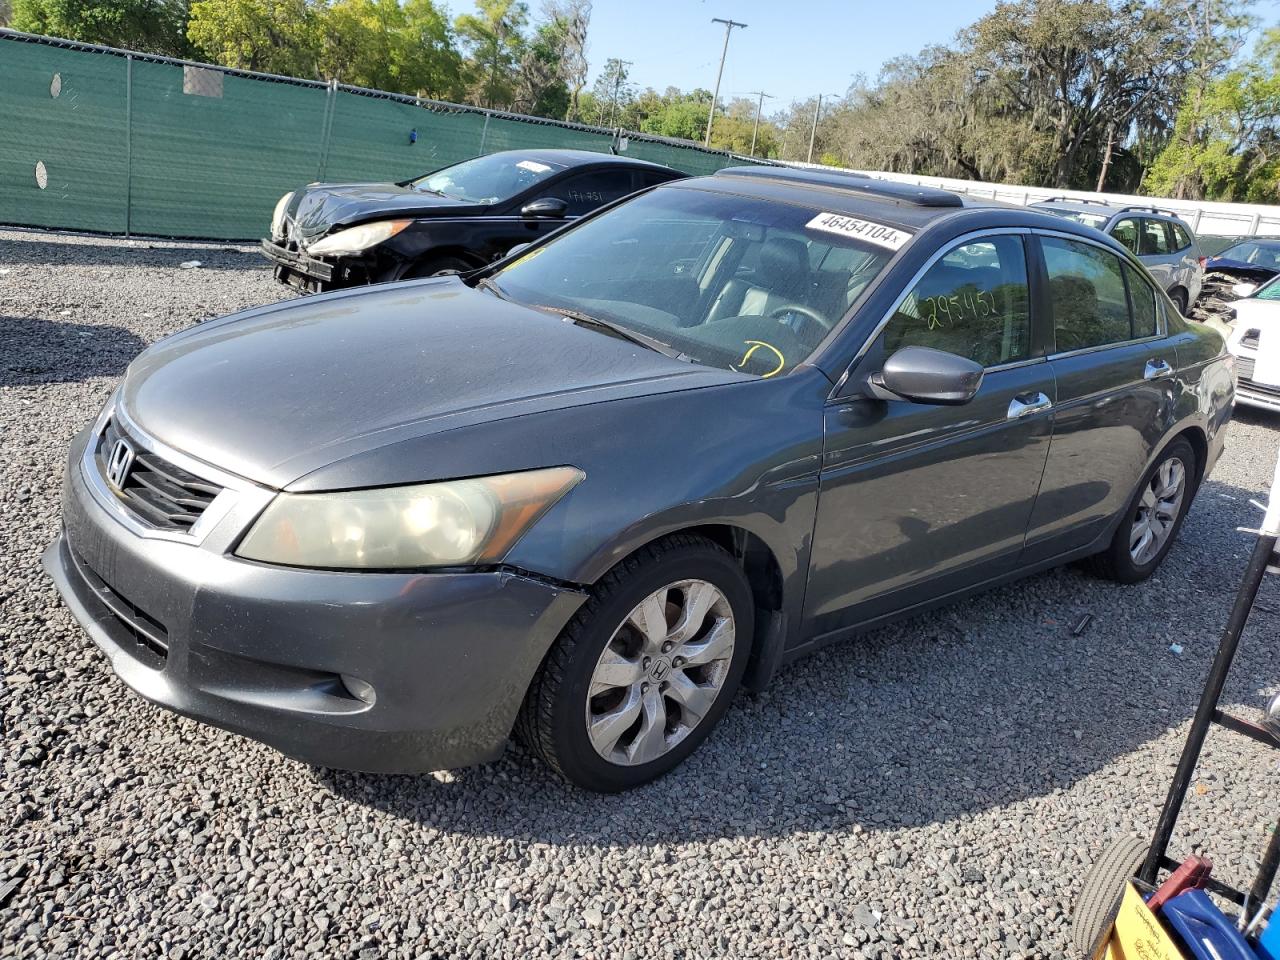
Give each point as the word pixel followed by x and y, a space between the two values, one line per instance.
pixel 934 789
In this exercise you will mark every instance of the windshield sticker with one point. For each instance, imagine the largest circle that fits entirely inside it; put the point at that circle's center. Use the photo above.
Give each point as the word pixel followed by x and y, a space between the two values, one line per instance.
pixel 866 230
pixel 533 166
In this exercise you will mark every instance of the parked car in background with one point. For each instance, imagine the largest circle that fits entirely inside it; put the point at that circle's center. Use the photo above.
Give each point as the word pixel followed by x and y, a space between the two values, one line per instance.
pixel 326 236
pixel 589 491
pixel 1251 318
pixel 1159 238
pixel 1251 261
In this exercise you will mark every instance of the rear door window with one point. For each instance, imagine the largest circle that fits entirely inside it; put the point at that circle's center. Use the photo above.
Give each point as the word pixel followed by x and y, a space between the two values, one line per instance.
pixel 972 302
pixel 1154 241
pixel 1087 294
pixel 1126 232
pixel 1181 238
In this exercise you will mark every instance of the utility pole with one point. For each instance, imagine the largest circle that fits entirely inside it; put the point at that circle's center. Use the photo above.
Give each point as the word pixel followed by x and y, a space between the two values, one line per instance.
pixel 813 131
pixel 728 29
pixel 756 126
pixel 618 71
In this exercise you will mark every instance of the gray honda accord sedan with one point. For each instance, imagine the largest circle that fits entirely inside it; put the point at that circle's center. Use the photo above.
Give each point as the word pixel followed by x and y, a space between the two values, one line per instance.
pixel 587 493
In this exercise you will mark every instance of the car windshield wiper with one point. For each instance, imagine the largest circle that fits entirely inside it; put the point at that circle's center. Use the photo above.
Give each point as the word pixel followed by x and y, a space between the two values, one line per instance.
pixel 640 339
pixel 488 283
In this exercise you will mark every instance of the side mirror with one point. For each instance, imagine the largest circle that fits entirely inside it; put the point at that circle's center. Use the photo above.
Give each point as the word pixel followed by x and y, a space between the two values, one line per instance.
pixel 546 208
pixel 925 375
pixel 1244 288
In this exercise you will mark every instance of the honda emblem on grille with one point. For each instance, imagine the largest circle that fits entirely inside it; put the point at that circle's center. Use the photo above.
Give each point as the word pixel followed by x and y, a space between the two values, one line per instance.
pixel 120 463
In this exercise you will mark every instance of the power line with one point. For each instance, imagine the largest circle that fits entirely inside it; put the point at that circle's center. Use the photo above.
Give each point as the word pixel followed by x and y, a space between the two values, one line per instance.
pixel 728 29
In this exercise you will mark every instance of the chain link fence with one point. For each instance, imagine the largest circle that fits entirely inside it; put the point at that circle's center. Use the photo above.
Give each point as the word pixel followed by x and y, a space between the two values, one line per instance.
pixel 120 142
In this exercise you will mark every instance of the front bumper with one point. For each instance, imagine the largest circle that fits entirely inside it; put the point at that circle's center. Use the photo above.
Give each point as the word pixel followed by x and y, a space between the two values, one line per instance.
pixel 379 672
pixel 299 270
pixel 1248 392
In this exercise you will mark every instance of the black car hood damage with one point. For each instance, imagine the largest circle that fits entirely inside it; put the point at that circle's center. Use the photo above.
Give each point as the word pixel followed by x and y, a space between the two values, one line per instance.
pixel 277 392
pixel 316 209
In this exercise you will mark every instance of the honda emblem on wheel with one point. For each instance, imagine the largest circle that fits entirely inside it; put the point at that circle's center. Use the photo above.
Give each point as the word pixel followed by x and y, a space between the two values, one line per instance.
pixel 120 463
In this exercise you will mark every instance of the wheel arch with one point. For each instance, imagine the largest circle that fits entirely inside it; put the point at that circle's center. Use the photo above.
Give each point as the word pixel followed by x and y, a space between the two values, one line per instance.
pixel 439 253
pixel 772 594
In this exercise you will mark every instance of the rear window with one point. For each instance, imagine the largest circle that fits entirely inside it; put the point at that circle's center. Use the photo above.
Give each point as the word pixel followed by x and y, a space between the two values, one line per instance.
pixel 1181 236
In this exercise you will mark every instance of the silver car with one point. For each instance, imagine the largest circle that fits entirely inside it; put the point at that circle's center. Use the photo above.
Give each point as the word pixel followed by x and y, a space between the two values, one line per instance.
pixel 1159 238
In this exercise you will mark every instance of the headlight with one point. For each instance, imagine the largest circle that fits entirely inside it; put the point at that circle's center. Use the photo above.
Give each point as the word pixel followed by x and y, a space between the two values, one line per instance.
pixel 446 524
pixel 277 217
pixel 355 239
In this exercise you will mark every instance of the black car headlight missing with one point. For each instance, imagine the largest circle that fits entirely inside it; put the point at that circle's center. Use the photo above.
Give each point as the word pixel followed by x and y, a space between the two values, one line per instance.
pixel 277 217
pixel 447 524
pixel 355 239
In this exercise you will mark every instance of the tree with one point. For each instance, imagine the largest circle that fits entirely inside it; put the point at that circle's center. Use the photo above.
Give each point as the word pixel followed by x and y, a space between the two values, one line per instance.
pixel 273 36
pixel 494 40
pixel 154 26
pixel 1226 144
pixel 388 46
pixel 573 17
pixel 611 91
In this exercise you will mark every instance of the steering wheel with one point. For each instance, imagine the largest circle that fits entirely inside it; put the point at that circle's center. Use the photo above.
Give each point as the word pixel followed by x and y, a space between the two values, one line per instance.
pixel 808 312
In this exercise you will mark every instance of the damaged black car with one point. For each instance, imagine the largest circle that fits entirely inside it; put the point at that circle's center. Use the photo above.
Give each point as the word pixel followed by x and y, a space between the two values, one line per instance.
pixel 1252 262
pixel 326 236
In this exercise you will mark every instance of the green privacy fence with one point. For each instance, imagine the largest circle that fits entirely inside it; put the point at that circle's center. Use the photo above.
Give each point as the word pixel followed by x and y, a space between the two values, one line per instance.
pixel 107 140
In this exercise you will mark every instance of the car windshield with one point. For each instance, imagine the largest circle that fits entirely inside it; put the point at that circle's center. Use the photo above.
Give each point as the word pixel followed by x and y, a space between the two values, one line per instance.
pixel 731 282
pixel 1094 220
pixel 489 179
pixel 1269 290
pixel 1264 254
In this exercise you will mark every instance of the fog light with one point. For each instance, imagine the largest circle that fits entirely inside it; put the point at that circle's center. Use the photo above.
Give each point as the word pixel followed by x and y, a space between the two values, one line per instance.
pixel 359 689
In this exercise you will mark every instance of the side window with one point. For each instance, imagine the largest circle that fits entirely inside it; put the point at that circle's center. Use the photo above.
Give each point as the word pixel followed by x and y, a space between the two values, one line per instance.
pixel 649 178
pixel 587 191
pixel 1181 238
pixel 972 302
pixel 1154 242
pixel 1087 294
pixel 1126 231
pixel 1142 300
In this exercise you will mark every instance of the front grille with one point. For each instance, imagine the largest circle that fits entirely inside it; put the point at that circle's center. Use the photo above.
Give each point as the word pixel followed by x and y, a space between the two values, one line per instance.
pixel 160 494
pixel 1244 376
pixel 150 637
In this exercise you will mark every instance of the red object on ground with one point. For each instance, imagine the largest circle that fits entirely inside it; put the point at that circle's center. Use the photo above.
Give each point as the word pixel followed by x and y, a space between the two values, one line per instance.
pixel 1190 876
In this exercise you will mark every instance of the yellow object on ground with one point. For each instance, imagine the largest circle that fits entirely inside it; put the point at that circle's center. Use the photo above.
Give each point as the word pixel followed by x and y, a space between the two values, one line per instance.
pixel 1138 935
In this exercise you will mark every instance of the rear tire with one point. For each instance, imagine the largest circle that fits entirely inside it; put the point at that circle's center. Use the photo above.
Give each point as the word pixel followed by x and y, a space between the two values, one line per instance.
pixel 639 677
pixel 1130 558
pixel 1103 889
pixel 1179 298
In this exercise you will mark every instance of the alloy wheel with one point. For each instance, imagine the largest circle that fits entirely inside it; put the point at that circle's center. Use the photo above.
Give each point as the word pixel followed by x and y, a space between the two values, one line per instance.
pixel 1157 511
pixel 660 673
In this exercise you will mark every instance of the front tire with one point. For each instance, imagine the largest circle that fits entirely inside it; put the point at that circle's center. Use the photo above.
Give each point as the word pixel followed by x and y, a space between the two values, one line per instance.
pixel 436 267
pixel 646 668
pixel 1153 517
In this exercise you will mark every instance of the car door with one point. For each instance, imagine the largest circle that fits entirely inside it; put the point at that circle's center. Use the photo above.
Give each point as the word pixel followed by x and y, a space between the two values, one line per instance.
pixel 1156 252
pixel 1114 372
pixel 918 500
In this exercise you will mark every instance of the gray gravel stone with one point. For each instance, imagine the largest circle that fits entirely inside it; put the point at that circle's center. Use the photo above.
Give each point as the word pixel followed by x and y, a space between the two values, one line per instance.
pixel 954 774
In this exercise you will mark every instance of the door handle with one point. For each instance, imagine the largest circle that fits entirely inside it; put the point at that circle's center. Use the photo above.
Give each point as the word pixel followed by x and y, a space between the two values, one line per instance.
pixel 1025 404
pixel 1156 369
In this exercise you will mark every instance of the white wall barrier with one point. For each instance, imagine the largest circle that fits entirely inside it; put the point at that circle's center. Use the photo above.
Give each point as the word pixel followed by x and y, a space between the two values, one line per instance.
pixel 1207 217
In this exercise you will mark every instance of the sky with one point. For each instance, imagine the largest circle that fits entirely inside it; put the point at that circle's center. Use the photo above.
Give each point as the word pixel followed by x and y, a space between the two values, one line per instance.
pixel 792 49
